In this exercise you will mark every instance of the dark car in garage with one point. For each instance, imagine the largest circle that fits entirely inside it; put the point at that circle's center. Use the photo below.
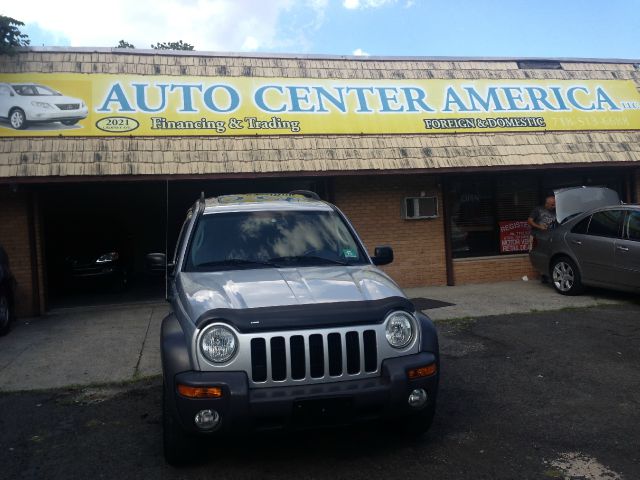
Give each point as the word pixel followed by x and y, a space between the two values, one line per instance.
pixel 96 266
pixel 598 246
pixel 7 289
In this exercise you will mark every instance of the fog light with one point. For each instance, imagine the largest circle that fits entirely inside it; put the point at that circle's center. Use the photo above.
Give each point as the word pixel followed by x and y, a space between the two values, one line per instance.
pixel 207 419
pixel 418 398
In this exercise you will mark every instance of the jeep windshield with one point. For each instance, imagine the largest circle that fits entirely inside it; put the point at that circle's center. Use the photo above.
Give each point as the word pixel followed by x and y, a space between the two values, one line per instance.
pixel 271 239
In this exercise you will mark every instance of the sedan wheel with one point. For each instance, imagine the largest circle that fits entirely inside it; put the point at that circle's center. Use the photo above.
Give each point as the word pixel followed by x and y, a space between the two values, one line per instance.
pixel 566 277
pixel 17 119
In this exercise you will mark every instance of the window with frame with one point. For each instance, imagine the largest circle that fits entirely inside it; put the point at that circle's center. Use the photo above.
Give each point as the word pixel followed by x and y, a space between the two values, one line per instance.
pixel 633 226
pixel 606 224
pixel 582 226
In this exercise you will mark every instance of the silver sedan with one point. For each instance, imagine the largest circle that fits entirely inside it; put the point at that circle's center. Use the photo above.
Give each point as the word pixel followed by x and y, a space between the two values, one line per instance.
pixel 598 248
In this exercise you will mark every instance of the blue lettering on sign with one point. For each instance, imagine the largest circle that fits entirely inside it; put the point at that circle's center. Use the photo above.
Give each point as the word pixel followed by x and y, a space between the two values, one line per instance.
pixel 210 103
pixel 387 96
pixel 602 97
pixel 416 98
pixel 337 102
pixel 187 96
pixel 141 97
pixel 297 95
pixel 571 97
pixel 514 99
pixel 118 96
pixel 452 98
pixel 363 106
pixel 490 103
pixel 258 99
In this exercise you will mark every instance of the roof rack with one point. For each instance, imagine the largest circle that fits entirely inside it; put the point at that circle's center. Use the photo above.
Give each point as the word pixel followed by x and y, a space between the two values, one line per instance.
pixel 306 193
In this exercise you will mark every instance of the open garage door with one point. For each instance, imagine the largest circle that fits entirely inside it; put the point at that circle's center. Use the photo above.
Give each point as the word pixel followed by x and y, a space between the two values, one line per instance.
pixel 97 235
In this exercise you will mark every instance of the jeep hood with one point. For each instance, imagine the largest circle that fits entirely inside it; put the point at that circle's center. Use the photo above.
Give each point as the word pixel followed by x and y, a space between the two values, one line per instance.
pixel 575 200
pixel 270 287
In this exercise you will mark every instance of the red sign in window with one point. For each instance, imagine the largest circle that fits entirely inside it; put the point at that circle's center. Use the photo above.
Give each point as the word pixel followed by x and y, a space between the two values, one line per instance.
pixel 514 236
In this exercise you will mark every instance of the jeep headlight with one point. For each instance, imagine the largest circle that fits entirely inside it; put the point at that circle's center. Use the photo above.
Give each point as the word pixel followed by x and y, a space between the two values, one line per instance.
pixel 218 344
pixel 399 329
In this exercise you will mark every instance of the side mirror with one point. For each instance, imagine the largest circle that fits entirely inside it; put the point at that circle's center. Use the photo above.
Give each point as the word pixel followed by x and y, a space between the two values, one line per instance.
pixel 156 263
pixel 382 255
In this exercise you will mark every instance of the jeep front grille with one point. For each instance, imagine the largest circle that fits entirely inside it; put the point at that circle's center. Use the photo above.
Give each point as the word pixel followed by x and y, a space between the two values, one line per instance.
pixel 313 357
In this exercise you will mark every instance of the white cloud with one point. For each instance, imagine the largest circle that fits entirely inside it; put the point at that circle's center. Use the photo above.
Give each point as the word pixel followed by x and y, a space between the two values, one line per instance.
pixel 250 43
pixel 359 4
pixel 218 25
pixel 358 52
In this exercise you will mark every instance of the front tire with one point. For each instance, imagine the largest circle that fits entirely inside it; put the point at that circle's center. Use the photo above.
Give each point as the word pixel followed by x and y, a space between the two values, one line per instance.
pixel 18 119
pixel 566 277
pixel 69 122
pixel 419 423
pixel 179 446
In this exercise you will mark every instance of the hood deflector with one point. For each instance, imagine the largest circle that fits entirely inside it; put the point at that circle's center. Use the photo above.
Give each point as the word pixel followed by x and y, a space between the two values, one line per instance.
pixel 314 315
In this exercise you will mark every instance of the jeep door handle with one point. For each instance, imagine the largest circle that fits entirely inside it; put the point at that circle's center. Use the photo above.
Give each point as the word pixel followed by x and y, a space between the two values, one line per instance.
pixel 624 249
pixel 576 242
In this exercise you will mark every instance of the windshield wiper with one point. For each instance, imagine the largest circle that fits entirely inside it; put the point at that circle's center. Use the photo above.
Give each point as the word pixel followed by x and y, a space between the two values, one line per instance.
pixel 305 258
pixel 235 262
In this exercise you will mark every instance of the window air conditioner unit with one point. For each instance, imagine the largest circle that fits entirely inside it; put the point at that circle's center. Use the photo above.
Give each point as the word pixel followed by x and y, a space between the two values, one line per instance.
pixel 420 207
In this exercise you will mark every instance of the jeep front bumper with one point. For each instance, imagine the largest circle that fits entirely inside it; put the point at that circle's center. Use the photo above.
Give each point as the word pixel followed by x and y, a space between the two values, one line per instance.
pixel 243 409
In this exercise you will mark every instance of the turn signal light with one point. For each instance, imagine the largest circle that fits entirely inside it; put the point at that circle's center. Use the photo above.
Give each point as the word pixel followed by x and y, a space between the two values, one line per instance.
pixel 199 392
pixel 425 371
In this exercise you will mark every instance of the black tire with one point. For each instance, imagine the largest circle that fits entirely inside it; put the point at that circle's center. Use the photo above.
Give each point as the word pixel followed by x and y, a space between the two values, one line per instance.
pixel 419 423
pixel 69 122
pixel 179 447
pixel 18 119
pixel 5 314
pixel 565 276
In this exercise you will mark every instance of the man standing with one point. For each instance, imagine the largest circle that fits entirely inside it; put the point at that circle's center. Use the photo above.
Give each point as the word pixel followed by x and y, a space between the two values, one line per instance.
pixel 542 218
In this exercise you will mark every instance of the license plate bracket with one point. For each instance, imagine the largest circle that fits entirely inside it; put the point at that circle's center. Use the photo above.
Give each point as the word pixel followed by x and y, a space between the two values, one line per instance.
pixel 325 411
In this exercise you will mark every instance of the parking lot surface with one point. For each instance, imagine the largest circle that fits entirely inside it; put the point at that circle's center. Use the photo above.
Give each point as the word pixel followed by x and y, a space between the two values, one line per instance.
pixel 537 395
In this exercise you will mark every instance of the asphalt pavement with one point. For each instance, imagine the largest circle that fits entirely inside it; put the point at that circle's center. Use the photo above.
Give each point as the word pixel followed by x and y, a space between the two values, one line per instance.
pixel 523 396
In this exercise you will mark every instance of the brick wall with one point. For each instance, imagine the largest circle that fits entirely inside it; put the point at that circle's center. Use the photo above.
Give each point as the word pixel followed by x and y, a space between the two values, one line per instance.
pixel 14 236
pixel 373 204
pixel 492 269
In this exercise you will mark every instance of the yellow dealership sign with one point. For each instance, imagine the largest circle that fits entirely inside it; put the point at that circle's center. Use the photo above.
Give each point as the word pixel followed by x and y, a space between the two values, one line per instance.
pixel 115 105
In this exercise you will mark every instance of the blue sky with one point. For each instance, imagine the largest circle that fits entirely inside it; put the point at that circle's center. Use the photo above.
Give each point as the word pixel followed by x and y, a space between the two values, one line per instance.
pixel 510 28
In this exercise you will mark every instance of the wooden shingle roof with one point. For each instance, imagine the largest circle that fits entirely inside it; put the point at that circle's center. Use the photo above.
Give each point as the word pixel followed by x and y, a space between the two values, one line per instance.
pixel 115 156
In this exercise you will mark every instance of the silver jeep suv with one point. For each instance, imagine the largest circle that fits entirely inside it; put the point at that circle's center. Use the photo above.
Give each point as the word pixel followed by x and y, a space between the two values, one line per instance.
pixel 280 319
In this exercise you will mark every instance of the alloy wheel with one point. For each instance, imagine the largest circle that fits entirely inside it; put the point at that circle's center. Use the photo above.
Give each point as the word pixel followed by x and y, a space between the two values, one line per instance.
pixel 17 119
pixel 563 276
